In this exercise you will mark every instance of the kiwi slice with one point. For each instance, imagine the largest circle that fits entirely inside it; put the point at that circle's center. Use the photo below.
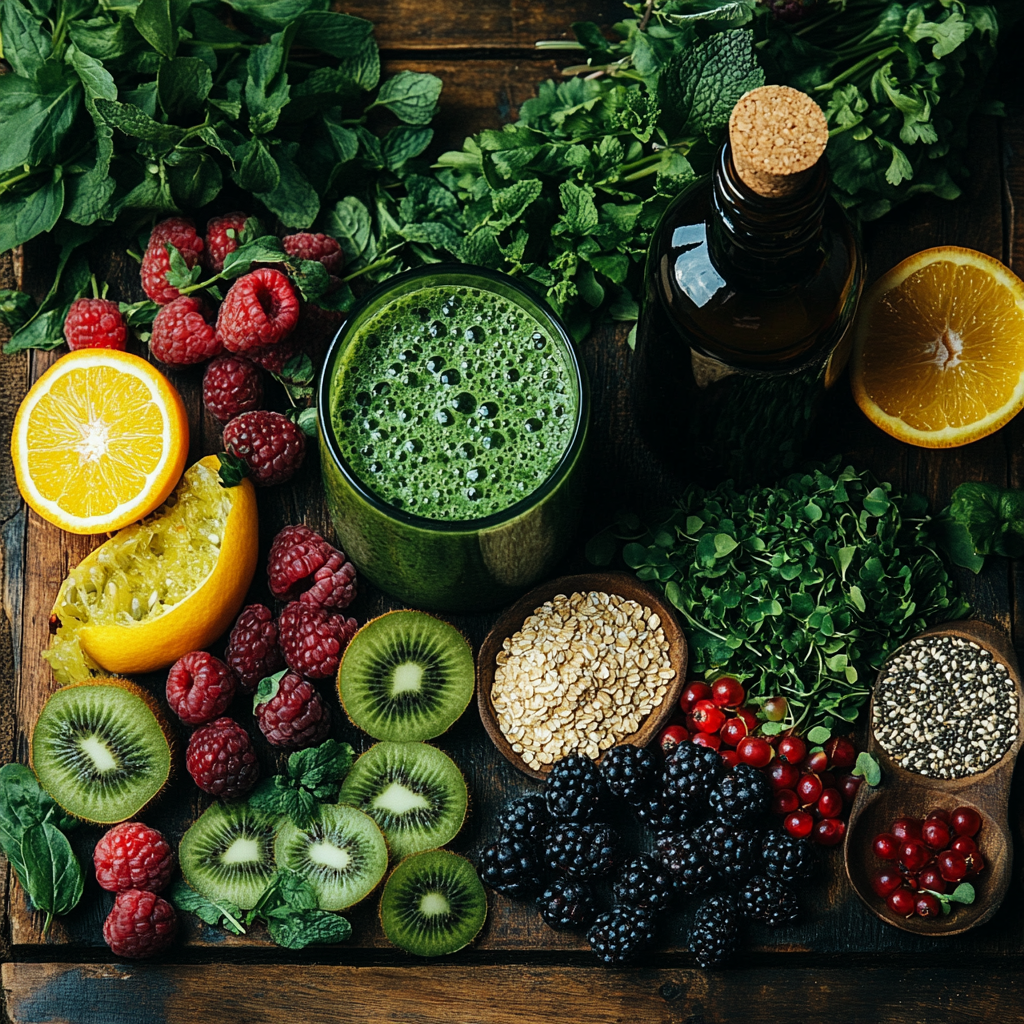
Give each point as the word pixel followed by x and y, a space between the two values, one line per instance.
pixel 102 749
pixel 406 676
pixel 228 854
pixel 415 793
pixel 433 903
pixel 342 854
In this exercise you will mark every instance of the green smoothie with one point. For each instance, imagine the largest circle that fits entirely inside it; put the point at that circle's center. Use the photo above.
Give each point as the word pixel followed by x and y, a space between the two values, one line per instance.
pixel 453 403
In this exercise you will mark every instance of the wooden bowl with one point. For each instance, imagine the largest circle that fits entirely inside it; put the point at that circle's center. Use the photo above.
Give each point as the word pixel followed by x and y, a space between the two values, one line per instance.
pixel 903 793
pixel 621 583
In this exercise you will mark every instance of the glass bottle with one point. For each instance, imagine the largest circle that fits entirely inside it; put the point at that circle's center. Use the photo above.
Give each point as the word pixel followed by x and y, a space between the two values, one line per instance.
pixel 752 282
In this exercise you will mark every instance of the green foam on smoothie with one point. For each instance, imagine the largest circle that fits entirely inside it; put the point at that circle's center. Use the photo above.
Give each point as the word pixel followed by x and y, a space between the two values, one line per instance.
pixel 454 403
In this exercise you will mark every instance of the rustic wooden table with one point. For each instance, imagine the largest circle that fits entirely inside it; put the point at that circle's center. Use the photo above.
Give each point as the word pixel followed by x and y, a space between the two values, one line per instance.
pixel 839 964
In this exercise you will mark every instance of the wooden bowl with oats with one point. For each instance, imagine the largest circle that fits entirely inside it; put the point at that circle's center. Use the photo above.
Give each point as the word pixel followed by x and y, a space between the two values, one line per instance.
pixel 644 703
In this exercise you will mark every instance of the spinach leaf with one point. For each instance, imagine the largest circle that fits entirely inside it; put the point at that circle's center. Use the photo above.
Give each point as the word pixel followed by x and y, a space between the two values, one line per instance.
pixel 53 877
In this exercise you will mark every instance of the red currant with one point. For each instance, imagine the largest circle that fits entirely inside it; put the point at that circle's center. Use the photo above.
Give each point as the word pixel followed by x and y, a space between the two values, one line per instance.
pixel 938 815
pixel 905 829
pixel 965 845
pixel 692 693
pixel 829 831
pixel 798 824
pixel 816 763
pixel 927 905
pixel 841 752
pixel 848 786
pixel 691 725
pixel 749 718
pixel 785 801
pixel 886 846
pixel 909 880
pixel 708 717
pixel 707 739
pixel 935 834
pixel 901 901
pixel 952 865
pixel 734 730
pixel 830 803
pixel 965 821
pixel 727 692
pixel 931 878
pixel 885 881
pixel 914 855
pixel 782 775
pixel 809 789
pixel 975 865
pixel 792 749
pixel 775 708
pixel 729 758
pixel 670 738
pixel 755 751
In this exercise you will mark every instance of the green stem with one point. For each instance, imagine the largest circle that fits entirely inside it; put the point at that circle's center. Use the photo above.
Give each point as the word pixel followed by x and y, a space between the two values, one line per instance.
pixel 850 72
pixel 5 185
pixel 95 286
pixel 371 266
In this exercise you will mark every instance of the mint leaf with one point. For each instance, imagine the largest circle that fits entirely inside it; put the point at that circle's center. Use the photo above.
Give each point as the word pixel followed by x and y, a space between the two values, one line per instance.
pixel 158 21
pixel 26 45
pixel 16 308
pixel 268 689
pixel 297 930
pixel 265 249
pixel 179 275
pixel 294 199
pixel 25 215
pixel 220 913
pixel 411 96
pixel 281 796
pixel 182 86
pixel 322 769
pixel 311 278
pixel 132 120
pixel 232 470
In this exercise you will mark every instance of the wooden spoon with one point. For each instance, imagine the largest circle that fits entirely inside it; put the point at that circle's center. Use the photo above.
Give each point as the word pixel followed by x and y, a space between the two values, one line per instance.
pixel 622 583
pixel 907 794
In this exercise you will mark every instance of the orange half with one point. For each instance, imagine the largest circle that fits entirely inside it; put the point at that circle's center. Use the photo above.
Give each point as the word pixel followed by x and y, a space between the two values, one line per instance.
pixel 99 441
pixel 938 357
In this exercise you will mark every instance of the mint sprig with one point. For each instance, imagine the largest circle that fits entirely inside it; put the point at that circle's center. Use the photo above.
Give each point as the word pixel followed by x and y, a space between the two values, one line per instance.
pixel 312 777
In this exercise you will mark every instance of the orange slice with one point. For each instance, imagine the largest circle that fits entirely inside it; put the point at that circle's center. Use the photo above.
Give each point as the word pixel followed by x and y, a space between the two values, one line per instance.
pixel 99 441
pixel 938 356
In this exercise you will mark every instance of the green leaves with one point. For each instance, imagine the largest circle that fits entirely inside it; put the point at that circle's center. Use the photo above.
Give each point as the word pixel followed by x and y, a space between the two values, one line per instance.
pixel 288 906
pixel 982 519
pixel 313 776
pixel 411 96
pixel 223 914
pixel 182 86
pixel 158 21
pixel 867 767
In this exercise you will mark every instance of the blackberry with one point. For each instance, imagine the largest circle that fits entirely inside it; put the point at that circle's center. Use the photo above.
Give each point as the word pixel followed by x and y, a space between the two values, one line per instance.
pixel 742 796
pixel 683 857
pixel 644 883
pixel 574 789
pixel 525 819
pixel 663 812
pixel 629 772
pixel 715 933
pixel 619 935
pixel 582 851
pixel 766 899
pixel 787 858
pixel 511 867
pixel 691 772
pixel 567 904
pixel 734 852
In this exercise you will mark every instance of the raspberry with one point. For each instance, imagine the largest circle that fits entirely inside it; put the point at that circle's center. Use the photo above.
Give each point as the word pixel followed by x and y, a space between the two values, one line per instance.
pixel 199 687
pixel 232 385
pixel 295 717
pixel 252 650
pixel 218 242
pixel 268 443
pixel 272 358
pixel 305 246
pixel 180 233
pixel 221 760
pixel 133 856
pixel 259 309
pixel 312 640
pixel 140 925
pixel 302 565
pixel 181 336
pixel 95 323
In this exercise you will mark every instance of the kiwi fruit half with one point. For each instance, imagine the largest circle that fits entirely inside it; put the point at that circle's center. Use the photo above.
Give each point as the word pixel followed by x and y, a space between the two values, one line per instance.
pixel 406 676
pixel 414 792
pixel 433 903
pixel 228 854
pixel 102 749
pixel 342 854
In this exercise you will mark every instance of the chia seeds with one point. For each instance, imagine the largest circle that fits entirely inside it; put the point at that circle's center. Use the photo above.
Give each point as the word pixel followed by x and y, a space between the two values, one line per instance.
pixel 945 708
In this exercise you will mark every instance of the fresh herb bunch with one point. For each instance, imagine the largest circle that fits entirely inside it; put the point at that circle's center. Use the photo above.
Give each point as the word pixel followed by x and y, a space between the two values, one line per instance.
pixel 981 519
pixel 801 589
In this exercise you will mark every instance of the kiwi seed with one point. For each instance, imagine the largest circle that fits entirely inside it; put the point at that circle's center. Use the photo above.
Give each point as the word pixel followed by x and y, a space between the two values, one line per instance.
pixel 406 676
pixel 433 903
pixel 415 793
pixel 228 854
pixel 102 749
pixel 342 854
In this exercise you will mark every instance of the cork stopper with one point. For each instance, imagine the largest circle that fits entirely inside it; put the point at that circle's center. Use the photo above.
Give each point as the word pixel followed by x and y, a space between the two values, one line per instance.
pixel 777 135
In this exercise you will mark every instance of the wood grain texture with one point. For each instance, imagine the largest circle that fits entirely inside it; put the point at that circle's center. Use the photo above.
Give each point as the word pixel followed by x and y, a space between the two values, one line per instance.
pixel 49 993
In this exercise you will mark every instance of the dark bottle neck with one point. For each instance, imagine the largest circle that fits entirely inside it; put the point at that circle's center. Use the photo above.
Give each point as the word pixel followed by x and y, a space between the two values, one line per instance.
pixel 773 241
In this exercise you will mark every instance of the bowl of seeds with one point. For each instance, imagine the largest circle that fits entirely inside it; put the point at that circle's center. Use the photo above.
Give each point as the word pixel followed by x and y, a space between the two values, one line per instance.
pixel 946 725
pixel 578 665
